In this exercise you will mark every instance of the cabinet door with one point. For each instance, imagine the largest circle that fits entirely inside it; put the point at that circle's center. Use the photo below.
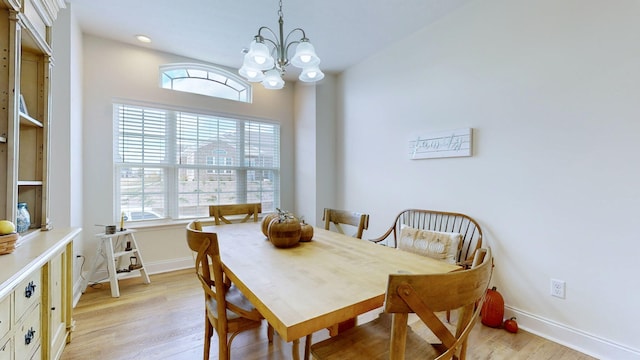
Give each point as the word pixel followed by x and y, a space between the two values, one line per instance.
pixel 5 316
pixel 57 324
pixel 6 348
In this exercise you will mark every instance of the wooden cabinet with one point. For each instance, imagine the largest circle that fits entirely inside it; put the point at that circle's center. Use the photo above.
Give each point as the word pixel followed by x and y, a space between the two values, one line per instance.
pixel 25 101
pixel 36 296
pixel 36 279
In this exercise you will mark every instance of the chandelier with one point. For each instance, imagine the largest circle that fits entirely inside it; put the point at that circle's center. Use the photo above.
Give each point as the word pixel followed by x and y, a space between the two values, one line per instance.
pixel 266 59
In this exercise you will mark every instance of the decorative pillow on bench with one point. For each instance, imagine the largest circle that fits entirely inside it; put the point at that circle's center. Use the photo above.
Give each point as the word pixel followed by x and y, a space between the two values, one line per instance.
pixel 435 244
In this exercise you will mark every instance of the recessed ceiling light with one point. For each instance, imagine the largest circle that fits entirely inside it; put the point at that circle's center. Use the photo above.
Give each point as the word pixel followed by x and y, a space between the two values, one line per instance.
pixel 143 38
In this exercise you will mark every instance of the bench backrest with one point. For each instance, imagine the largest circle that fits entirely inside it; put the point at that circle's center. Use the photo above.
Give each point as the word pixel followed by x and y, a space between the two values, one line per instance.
pixel 442 221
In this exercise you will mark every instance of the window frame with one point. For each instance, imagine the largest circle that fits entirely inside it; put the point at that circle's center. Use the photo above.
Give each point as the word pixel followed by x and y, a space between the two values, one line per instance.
pixel 243 170
pixel 244 89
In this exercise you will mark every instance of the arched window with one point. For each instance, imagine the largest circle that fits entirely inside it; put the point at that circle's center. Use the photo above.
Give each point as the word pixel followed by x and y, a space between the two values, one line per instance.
pixel 205 80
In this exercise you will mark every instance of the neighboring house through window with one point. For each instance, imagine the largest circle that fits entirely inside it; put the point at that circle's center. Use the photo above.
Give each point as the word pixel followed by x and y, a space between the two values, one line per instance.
pixel 176 163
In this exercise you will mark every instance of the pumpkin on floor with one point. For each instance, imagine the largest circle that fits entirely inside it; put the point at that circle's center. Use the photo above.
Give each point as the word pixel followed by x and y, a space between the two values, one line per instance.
pixel 493 308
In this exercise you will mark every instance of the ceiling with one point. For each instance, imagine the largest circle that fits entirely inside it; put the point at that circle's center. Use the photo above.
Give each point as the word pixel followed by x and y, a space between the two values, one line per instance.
pixel 344 32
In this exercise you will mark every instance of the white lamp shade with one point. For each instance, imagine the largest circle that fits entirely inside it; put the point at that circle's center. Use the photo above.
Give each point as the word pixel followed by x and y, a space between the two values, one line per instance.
pixel 252 75
pixel 258 57
pixel 311 74
pixel 305 55
pixel 273 80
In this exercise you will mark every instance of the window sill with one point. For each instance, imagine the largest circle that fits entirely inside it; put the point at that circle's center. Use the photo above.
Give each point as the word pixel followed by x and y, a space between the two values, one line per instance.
pixel 159 224
pixel 175 223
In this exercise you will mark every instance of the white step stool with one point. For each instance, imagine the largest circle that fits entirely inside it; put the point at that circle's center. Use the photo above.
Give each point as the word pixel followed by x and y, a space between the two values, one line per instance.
pixel 125 244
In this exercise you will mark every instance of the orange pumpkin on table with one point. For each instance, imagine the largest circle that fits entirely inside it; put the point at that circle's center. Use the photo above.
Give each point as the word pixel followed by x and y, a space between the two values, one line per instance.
pixel 266 220
pixel 284 231
pixel 306 232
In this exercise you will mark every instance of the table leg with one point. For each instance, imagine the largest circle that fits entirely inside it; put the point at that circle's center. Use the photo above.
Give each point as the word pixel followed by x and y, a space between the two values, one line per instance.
pixel 340 327
pixel 295 349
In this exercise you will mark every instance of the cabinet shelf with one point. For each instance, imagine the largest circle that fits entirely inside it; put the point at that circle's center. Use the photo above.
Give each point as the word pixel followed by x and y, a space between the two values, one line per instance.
pixel 29 121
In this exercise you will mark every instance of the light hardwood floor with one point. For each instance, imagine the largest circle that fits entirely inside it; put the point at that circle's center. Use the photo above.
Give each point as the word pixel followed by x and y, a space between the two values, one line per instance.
pixel 165 320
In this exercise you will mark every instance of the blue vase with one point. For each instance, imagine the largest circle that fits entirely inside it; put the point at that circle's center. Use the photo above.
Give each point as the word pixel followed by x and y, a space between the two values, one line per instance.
pixel 23 220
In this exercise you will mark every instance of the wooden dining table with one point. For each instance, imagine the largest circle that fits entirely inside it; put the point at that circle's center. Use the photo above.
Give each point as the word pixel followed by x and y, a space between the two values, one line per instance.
pixel 313 285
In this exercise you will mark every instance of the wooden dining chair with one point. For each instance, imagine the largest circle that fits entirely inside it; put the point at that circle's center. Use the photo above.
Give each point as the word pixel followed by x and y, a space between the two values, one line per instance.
pixel 227 311
pixel 339 217
pixel 251 210
pixel 390 337
pixel 360 222
pixel 413 229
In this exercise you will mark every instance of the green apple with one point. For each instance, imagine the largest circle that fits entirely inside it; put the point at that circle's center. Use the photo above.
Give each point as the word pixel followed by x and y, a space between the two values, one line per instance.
pixel 6 227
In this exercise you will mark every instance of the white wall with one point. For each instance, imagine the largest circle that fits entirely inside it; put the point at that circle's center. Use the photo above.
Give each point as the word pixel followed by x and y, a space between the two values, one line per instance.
pixel 327 154
pixel 115 70
pixel 551 89
pixel 315 151
pixel 65 178
pixel 306 178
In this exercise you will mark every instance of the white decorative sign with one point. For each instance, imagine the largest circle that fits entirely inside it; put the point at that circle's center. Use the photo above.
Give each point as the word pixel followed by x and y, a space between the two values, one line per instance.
pixel 450 143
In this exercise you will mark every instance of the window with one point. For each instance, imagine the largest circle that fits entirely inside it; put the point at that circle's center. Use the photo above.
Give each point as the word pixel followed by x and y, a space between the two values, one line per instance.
pixel 174 164
pixel 205 80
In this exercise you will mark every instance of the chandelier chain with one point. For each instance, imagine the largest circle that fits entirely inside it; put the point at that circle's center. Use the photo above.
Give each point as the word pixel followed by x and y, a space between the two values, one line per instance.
pixel 280 11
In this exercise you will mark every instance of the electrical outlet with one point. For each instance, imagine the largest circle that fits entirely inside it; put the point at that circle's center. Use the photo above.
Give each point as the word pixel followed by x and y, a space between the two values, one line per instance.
pixel 557 288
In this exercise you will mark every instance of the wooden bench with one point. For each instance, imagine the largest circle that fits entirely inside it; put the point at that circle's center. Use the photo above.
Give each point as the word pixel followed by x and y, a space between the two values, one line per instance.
pixel 441 221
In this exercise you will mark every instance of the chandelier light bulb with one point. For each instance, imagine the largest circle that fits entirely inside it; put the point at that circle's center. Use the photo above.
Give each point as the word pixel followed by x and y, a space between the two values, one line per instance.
pixel 305 55
pixel 273 80
pixel 251 74
pixel 305 58
pixel 311 74
pixel 258 56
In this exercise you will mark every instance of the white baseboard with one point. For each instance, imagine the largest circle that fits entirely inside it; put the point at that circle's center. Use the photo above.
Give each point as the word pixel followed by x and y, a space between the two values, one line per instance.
pixel 152 268
pixel 579 340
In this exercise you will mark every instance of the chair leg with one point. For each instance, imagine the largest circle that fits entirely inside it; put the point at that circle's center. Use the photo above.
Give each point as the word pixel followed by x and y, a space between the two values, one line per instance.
pixel 208 333
pixel 269 333
pixel 307 347
pixel 449 316
pixel 223 346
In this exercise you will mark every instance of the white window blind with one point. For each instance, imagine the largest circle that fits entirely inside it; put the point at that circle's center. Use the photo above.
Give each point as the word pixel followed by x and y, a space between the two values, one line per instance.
pixel 175 164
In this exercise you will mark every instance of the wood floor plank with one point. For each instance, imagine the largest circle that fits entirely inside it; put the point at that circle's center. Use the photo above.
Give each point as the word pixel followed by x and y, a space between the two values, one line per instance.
pixel 165 320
